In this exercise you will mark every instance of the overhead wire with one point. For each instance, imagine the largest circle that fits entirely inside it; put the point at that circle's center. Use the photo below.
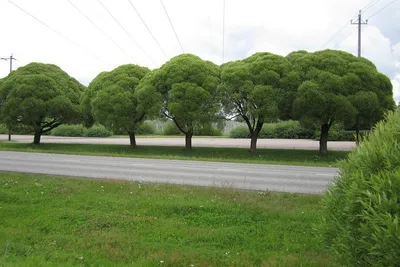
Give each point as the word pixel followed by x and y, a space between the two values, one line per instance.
pixel 57 32
pixel 381 9
pixel 148 29
pixel 98 28
pixel 127 33
pixel 172 26
pixel 371 4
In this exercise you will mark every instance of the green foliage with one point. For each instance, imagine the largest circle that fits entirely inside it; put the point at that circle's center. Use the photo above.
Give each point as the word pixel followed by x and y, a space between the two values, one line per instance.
pixel 41 96
pixel 280 130
pixel 146 128
pixel 253 89
pixel 362 206
pixel 3 129
pixel 187 86
pixel 208 130
pixel 73 130
pixel 98 131
pixel 113 100
pixel 170 128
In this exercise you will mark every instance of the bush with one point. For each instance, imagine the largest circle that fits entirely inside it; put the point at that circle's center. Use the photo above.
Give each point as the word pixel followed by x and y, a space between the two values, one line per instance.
pixel 171 129
pixel 281 130
pixel 342 135
pixel 72 130
pixel 240 132
pixel 3 129
pixel 362 206
pixel 208 130
pixel 98 131
pixel 146 128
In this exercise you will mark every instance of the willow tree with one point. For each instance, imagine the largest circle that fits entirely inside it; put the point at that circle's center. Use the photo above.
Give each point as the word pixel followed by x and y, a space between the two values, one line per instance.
pixel 187 86
pixel 252 89
pixel 41 96
pixel 113 99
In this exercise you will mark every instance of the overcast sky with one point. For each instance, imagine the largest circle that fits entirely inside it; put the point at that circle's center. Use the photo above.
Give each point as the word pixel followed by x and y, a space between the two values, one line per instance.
pixel 251 26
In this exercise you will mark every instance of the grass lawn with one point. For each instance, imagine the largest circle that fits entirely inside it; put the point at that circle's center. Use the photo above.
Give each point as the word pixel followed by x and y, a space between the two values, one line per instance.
pixel 264 156
pixel 54 221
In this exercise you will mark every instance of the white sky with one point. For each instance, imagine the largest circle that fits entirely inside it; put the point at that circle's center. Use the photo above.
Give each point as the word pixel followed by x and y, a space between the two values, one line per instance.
pixel 250 26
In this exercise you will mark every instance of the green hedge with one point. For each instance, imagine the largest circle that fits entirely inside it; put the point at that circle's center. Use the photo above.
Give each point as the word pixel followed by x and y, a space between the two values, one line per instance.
pixel 98 131
pixel 293 130
pixel 72 130
pixel 208 130
pixel 171 129
pixel 362 207
pixel 3 129
pixel 146 128
pixel 281 130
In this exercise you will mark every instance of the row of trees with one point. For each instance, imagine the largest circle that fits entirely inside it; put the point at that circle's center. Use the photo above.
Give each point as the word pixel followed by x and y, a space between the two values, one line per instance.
pixel 318 89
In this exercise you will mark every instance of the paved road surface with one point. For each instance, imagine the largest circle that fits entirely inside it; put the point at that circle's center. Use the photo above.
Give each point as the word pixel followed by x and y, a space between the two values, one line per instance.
pixel 199 142
pixel 234 175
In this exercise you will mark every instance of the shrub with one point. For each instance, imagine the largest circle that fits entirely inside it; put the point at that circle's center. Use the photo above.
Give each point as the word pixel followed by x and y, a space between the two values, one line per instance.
pixel 98 131
pixel 171 129
pixel 3 129
pixel 362 206
pixel 72 130
pixel 208 130
pixel 281 130
pixel 240 132
pixel 146 128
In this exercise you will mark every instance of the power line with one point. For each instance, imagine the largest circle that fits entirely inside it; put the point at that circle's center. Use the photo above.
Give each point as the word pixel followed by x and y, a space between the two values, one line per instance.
pixel 172 26
pixel 148 29
pixel 57 32
pixel 371 4
pixel 335 34
pixel 122 27
pixel 381 9
pixel 98 28
pixel 223 31
pixel 345 38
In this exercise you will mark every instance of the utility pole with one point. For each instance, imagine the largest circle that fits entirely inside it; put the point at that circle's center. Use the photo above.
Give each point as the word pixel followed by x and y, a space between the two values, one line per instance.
pixel 359 22
pixel 11 58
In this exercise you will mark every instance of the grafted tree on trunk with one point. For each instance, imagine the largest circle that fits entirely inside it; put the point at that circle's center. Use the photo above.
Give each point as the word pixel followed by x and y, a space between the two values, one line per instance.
pixel 188 89
pixel 115 100
pixel 251 89
pixel 40 96
pixel 339 88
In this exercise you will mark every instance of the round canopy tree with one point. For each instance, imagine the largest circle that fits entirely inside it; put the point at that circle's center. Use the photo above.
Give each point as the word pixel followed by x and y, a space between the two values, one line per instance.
pixel 254 88
pixel 187 86
pixel 335 86
pixel 41 96
pixel 113 99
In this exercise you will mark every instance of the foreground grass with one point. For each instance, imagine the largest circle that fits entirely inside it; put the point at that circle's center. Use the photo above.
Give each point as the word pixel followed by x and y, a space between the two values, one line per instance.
pixel 53 221
pixel 265 156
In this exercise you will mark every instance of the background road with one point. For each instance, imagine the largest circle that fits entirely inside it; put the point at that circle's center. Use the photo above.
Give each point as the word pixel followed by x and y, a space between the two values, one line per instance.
pixel 199 142
pixel 234 175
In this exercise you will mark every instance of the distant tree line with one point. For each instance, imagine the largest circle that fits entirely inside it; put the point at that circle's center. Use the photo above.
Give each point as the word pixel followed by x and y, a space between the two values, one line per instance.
pixel 319 89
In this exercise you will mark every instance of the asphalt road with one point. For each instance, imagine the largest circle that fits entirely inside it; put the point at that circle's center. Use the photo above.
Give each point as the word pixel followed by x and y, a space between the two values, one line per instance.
pixel 197 142
pixel 234 175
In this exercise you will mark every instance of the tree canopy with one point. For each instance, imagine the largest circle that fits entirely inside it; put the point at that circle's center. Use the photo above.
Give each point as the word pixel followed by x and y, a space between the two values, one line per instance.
pixel 41 96
pixel 112 98
pixel 187 86
pixel 334 83
pixel 253 89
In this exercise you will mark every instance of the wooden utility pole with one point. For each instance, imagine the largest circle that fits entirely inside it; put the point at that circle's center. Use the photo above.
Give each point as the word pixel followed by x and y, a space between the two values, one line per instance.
pixel 11 58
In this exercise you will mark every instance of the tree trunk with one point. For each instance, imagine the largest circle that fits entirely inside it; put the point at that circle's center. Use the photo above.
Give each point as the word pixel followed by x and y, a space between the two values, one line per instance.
pixel 188 140
pixel 323 140
pixel 36 138
pixel 9 133
pixel 253 142
pixel 132 139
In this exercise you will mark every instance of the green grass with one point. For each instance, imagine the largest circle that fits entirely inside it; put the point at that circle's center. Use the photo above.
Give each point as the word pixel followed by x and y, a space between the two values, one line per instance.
pixel 55 221
pixel 263 156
